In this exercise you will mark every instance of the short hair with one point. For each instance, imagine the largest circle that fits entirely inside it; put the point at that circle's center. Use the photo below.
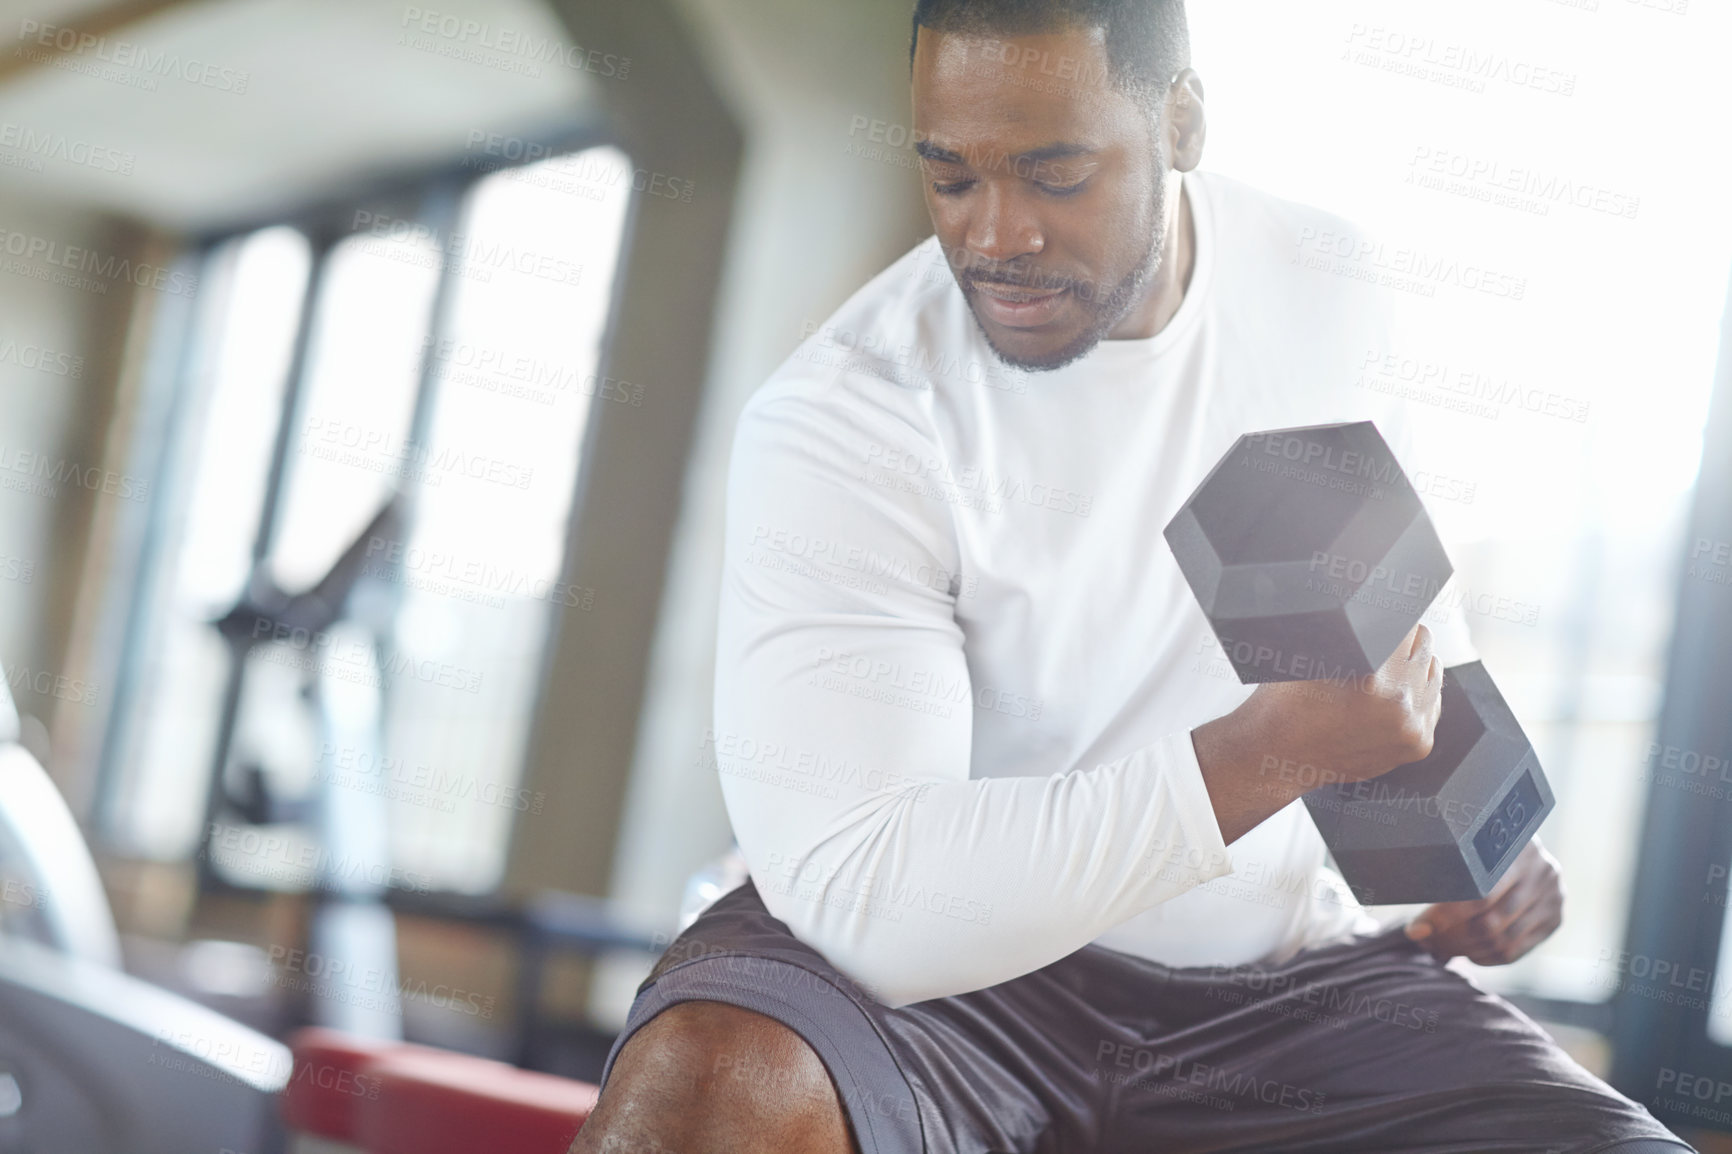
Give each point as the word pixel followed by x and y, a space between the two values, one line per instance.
pixel 1148 41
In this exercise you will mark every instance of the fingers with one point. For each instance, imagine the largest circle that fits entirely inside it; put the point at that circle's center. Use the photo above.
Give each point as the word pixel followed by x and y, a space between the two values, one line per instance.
pixel 1419 643
pixel 1524 910
pixel 1535 928
pixel 1410 669
pixel 1507 932
pixel 1444 919
pixel 1429 693
pixel 1414 664
pixel 1434 691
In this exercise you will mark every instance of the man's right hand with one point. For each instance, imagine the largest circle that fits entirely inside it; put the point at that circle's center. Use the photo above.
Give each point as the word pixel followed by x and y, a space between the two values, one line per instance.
pixel 1291 737
pixel 1358 729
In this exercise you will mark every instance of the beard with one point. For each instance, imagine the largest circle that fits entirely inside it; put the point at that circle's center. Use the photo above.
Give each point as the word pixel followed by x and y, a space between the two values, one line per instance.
pixel 1104 309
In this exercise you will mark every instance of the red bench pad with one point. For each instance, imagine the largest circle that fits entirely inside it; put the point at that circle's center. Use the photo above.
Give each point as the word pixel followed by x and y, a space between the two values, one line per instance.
pixel 397 1098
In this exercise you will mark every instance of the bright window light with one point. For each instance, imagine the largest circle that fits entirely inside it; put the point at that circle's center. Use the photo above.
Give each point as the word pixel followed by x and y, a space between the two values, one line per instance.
pixel 353 427
pixel 235 397
pixel 517 381
pixel 1558 288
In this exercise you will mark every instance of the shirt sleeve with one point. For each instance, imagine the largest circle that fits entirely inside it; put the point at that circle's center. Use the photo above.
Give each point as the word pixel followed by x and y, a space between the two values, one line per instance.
pixel 843 711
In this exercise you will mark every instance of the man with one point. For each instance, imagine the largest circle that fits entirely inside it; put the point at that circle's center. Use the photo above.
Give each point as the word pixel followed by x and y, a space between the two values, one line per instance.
pixel 1021 879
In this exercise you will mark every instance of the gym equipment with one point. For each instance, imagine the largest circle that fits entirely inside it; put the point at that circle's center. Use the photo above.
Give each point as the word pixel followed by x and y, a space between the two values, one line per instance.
pixel 94 1059
pixel 91 1058
pixel 350 922
pixel 50 891
pixel 354 1094
pixel 1313 557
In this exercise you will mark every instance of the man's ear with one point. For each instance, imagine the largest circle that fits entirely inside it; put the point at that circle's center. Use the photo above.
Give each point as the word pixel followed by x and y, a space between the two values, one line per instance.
pixel 1187 124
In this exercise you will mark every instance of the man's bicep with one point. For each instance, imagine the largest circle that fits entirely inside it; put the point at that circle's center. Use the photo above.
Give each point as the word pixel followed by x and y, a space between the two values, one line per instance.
pixel 826 721
pixel 841 680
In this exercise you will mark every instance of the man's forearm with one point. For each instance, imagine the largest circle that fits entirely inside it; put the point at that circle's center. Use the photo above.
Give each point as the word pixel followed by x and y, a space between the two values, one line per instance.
pixel 1232 752
pixel 953 886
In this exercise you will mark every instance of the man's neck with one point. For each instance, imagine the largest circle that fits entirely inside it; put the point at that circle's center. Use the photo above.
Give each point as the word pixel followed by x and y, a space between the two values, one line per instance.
pixel 1171 280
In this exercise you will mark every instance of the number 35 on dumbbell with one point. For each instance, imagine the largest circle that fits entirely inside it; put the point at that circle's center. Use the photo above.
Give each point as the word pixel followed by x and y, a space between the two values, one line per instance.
pixel 1313 557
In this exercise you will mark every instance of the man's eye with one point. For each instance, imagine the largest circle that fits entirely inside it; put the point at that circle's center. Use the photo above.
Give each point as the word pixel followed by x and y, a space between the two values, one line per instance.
pixel 1061 189
pixel 951 187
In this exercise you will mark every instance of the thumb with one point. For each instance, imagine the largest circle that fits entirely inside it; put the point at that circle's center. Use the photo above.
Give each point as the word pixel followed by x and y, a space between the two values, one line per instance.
pixel 1419 928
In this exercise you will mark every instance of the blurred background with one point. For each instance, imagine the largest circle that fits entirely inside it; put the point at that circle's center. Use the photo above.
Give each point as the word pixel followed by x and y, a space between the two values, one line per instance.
pixel 367 378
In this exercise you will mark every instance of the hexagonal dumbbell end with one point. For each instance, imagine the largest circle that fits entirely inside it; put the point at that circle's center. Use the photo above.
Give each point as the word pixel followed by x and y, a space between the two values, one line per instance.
pixel 1423 832
pixel 1309 552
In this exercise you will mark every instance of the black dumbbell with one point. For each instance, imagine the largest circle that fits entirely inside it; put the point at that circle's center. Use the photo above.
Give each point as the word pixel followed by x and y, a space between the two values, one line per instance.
pixel 1313 557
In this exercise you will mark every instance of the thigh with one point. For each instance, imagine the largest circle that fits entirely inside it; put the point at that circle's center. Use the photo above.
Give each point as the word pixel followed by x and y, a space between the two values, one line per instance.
pixel 1370 1045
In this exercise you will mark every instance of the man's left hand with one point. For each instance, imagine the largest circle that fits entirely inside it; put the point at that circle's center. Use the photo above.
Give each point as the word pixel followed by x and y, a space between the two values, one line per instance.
pixel 1519 914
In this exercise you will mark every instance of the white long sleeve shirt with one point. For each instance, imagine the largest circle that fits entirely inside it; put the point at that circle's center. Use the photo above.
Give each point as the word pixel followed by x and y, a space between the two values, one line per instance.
pixel 957 665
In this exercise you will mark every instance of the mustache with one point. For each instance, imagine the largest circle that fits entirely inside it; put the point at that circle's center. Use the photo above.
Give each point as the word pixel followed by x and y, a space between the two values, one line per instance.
pixel 1032 280
pixel 972 271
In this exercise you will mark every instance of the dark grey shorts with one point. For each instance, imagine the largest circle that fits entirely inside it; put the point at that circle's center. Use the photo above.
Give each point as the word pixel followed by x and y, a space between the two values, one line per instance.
pixel 1368 1045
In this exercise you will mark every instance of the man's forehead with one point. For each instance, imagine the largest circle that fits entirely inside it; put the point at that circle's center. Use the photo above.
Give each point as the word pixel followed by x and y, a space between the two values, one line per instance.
pixel 1065 46
pixel 1031 92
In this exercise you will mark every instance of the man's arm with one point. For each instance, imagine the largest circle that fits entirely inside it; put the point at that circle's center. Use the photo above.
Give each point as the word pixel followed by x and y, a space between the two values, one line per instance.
pixel 844 721
pixel 844 718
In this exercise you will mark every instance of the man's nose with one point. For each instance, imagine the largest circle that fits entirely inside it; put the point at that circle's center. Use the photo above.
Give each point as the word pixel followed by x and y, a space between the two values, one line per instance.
pixel 1002 228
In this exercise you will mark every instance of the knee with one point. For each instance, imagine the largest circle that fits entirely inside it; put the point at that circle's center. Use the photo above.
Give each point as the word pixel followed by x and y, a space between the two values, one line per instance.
pixel 709 1076
pixel 726 1059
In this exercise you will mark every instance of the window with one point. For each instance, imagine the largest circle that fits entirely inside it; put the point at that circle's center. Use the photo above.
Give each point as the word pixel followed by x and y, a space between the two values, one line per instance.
pixel 1565 412
pixel 444 369
pixel 232 393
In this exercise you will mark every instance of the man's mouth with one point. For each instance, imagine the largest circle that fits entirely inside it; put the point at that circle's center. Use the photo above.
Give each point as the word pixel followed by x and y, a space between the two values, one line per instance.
pixel 1018 306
